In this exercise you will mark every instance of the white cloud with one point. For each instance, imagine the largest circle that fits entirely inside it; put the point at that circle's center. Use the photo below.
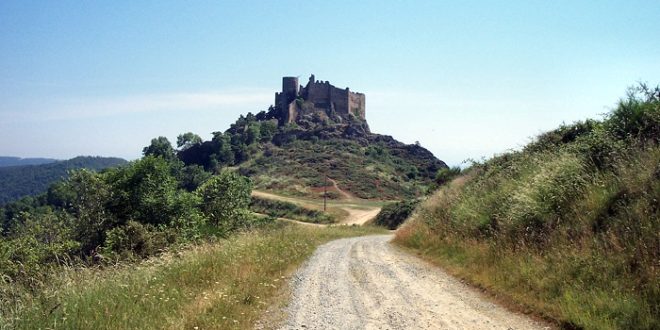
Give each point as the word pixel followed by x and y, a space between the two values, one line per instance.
pixel 78 108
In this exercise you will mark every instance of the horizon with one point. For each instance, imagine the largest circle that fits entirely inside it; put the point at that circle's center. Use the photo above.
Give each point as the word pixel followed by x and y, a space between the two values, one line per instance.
pixel 467 80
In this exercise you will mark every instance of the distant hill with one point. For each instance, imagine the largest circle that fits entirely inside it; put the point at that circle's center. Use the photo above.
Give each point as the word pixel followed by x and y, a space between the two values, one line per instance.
pixel 17 161
pixel 295 159
pixel 27 180
pixel 294 145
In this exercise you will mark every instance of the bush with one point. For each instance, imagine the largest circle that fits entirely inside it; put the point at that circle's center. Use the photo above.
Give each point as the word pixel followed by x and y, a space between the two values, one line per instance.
pixel 283 209
pixel 144 191
pixel 638 116
pixel 394 214
pixel 225 200
pixel 446 174
pixel 136 239
pixel 35 241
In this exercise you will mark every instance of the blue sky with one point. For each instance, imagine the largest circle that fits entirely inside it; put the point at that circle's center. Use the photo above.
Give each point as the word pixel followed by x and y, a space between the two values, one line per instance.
pixel 466 79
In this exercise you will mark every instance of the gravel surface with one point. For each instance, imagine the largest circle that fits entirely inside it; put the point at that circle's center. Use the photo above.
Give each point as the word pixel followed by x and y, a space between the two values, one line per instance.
pixel 364 283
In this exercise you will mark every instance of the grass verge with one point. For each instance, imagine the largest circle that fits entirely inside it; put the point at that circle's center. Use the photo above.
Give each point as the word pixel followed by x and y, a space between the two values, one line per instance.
pixel 229 284
pixel 284 209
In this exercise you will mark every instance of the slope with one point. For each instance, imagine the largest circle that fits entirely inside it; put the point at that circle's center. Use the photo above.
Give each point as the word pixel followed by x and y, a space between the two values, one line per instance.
pixel 296 158
pixel 568 227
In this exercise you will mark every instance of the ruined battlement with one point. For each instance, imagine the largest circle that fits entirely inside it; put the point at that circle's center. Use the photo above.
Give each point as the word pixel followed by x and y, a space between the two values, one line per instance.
pixel 319 95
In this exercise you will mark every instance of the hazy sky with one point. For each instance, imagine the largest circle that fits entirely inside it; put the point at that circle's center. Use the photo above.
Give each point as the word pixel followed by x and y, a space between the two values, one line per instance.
pixel 466 79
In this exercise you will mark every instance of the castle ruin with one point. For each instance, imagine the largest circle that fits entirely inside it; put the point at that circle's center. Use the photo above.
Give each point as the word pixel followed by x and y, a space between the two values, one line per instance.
pixel 295 100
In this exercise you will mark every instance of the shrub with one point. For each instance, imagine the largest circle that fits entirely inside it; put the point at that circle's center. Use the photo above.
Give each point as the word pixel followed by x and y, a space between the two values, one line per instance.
pixel 136 239
pixel 35 241
pixel 638 115
pixel 289 210
pixel 394 214
pixel 446 174
pixel 225 200
pixel 144 191
pixel 90 197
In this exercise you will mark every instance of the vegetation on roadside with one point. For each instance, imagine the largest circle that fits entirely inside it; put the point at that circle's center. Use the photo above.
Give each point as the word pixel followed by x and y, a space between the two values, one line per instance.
pixel 282 209
pixel 567 228
pixel 228 284
pixel 126 213
pixel 392 215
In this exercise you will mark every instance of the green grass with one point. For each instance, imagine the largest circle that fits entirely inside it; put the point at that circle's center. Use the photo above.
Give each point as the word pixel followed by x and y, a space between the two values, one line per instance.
pixel 380 170
pixel 566 228
pixel 587 258
pixel 232 283
pixel 282 209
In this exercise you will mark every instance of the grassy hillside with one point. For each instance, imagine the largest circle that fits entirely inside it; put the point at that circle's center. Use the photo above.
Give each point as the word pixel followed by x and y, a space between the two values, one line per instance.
pixel 374 171
pixel 294 159
pixel 567 228
pixel 229 284
pixel 30 180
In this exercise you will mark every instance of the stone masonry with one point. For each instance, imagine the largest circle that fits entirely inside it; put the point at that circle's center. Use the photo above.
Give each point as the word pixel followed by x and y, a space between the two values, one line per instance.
pixel 321 94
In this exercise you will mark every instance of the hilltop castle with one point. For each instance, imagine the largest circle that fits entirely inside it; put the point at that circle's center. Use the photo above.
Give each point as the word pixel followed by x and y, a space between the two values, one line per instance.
pixel 295 100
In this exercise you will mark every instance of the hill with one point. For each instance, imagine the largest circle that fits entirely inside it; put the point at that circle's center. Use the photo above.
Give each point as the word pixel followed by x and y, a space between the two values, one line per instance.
pixel 567 227
pixel 293 146
pixel 29 180
pixel 17 161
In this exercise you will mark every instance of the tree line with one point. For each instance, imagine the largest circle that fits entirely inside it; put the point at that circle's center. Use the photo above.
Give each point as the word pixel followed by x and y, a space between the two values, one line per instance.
pixel 127 212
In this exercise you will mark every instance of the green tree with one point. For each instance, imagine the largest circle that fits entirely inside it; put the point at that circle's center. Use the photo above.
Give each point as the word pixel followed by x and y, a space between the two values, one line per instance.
pixel 144 191
pixel 224 154
pixel 187 140
pixel 192 176
pixel 160 147
pixel 91 195
pixel 253 134
pixel 225 200
pixel 268 130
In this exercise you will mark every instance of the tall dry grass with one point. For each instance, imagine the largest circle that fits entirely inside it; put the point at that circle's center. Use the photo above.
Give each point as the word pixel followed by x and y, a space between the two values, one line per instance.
pixel 568 228
pixel 229 284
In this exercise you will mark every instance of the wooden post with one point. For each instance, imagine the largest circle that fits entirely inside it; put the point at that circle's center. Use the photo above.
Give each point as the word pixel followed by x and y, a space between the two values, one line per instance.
pixel 325 192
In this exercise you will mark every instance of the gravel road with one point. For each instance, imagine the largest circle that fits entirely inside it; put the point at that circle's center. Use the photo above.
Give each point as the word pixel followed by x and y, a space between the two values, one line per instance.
pixel 364 283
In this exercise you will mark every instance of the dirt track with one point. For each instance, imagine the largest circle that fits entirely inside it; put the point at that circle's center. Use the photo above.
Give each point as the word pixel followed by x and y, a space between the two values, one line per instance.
pixel 364 283
pixel 357 215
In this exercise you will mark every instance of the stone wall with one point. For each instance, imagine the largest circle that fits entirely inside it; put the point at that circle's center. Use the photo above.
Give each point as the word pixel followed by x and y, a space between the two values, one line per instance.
pixel 321 94
pixel 357 104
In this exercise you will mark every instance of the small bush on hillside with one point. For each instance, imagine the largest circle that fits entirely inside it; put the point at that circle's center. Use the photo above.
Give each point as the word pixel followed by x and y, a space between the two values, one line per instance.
pixel 392 215
pixel 283 209
pixel 638 115
pixel 35 242
pixel 136 239
pixel 446 174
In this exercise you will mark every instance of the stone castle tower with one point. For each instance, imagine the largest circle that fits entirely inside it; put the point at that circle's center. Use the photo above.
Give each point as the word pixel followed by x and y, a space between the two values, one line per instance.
pixel 320 95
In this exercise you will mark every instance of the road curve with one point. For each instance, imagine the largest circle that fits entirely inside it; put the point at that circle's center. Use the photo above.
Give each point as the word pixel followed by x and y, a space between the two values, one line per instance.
pixel 357 215
pixel 364 283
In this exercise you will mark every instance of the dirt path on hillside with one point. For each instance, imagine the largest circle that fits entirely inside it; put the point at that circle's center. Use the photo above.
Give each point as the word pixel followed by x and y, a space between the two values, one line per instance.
pixel 341 192
pixel 365 283
pixel 357 215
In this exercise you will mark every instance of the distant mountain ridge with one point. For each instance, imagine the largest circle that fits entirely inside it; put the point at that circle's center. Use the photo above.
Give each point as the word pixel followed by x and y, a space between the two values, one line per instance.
pixel 17 181
pixel 18 161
